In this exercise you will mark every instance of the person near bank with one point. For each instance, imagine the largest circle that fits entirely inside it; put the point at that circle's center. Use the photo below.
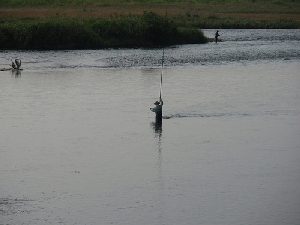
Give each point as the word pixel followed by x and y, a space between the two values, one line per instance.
pixel 216 36
pixel 158 109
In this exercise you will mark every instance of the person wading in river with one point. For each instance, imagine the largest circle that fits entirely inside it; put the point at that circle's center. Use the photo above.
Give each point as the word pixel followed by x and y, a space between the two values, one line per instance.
pixel 158 110
pixel 216 36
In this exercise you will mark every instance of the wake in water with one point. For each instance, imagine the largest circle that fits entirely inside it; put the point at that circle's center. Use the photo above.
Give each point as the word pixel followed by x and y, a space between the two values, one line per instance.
pixel 291 112
pixel 185 115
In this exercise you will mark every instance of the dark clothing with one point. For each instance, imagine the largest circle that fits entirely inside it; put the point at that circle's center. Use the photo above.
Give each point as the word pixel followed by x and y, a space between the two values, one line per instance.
pixel 216 36
pixel 158 111
pixel 158 116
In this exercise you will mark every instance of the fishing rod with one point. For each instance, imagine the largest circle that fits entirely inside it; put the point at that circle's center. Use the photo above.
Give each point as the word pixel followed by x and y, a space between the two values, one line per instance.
pixel 158 104
pixel 163 57
pixel 161 74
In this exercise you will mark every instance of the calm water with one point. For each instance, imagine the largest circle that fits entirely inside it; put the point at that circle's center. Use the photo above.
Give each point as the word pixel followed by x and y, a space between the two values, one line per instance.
pixel 78 143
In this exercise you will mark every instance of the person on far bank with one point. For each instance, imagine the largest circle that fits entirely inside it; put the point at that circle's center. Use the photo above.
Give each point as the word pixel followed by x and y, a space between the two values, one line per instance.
pixel 13 65
pixel 158 109
pixel 216 36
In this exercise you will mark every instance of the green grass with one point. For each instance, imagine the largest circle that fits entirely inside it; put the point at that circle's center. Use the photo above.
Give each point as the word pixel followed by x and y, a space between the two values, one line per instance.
pixel 215 22
pixel 12 3
pixel 82 24
pixel 149 30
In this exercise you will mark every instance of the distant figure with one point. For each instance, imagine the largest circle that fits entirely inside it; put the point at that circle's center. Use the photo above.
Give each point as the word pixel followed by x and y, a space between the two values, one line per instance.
pixel 18 63
pixel 13 65
pixel 158 110
pixel 216 36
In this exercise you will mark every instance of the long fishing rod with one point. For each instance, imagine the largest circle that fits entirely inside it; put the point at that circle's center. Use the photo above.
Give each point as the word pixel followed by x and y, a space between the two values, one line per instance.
pixel 162 71
pixel 163 58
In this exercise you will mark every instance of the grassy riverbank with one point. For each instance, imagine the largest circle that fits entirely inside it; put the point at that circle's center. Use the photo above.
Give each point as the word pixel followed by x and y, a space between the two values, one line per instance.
pixel 69 24
pixel 148 30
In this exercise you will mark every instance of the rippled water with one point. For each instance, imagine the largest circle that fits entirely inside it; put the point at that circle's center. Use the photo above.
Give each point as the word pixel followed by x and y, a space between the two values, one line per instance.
pixel 237 46
pixel 78 144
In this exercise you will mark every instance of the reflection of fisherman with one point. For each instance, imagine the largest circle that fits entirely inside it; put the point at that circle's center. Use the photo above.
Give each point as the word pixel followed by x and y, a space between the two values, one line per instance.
pixel 158 109
pixel 216 36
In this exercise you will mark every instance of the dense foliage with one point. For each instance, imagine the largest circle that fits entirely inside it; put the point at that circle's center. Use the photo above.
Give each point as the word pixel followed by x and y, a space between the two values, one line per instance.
pixel 86 24
pixel 148 30
pixel 83 2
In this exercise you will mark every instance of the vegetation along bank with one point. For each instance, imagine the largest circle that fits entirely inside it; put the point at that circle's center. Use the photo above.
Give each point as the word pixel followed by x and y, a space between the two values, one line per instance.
pixel 95 24
pixel 148 30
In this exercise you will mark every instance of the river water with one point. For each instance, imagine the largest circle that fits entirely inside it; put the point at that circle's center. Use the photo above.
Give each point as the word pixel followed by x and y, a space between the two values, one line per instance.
pixel 79 145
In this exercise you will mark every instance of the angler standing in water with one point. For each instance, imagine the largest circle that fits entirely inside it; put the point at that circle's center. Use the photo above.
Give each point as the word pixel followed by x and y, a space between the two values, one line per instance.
pixel 158 104
pixel 216 36
pixel 158 110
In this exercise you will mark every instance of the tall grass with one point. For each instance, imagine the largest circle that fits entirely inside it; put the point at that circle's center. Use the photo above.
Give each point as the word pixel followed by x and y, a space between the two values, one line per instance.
pixel 148 30
pixel 185 18
pixel 54 34
pixel 82 2
pixel 215 22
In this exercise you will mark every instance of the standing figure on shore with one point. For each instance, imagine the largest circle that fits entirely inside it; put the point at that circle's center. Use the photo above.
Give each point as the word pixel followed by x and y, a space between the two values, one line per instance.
pixel 216 36
pixel 13 65
pixel 18 63
pixel 158 110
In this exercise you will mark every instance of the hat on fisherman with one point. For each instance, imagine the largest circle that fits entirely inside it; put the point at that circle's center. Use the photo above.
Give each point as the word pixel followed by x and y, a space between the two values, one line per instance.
pixel 156 103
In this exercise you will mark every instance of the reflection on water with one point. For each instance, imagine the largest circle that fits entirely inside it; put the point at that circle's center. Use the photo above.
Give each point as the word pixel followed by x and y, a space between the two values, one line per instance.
pixel 16 73
pixel 157 126
pixel 160 200
pixel 78 144
pixel 237 46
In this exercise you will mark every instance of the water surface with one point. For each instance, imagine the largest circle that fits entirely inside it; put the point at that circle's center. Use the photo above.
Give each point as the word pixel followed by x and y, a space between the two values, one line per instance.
pixel 79 145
